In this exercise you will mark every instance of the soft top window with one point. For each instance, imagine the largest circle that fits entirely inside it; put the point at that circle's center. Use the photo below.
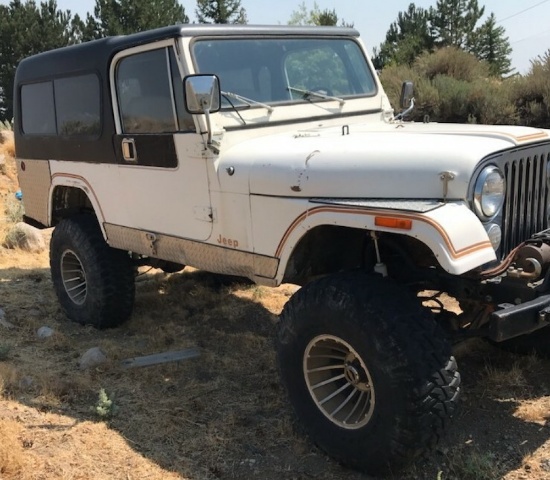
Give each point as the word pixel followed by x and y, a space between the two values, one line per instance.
pixel 65 106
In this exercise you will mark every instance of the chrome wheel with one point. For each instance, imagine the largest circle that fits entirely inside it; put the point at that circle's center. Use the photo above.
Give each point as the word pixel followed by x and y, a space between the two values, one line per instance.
pixel 74 277
pixel 338 381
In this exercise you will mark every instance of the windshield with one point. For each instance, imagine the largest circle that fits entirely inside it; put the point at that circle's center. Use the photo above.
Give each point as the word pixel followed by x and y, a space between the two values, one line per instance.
pixel 285 70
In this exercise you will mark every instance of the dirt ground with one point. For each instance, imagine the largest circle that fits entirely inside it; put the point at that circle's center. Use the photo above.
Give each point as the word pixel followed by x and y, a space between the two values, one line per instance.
pixel 224 414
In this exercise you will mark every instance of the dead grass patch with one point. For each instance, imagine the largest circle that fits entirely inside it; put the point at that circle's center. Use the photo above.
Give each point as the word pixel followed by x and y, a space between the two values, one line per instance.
pixel 8 379
pixel 12 453
pixel 536 411
pixel 500 378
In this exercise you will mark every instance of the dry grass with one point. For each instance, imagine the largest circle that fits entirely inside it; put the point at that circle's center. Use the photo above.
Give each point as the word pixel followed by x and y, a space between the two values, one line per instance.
pixel 536 410
pixel 12 454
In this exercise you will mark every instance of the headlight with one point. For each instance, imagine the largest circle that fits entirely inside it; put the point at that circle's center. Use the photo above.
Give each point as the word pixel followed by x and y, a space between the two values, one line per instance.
pixel 489 192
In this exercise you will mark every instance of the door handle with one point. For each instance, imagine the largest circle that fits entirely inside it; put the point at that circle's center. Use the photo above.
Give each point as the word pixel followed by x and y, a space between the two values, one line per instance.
pixel 129 152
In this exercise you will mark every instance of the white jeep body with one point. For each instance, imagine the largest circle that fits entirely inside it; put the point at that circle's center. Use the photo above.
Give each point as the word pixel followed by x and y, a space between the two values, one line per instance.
pixel 287 163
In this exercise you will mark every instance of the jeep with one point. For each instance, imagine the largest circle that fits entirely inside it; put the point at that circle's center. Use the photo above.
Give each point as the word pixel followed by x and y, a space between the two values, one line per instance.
pixel 273 153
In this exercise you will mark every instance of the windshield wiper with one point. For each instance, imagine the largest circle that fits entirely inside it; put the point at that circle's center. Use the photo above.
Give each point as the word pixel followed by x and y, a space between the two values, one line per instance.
pixel 246 100
pixel 307 94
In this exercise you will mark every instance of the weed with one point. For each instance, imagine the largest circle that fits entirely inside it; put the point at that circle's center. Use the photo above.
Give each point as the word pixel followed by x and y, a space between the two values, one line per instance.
pixel 14 211
pixel 258 292
pixel 105 406
pixel 473 465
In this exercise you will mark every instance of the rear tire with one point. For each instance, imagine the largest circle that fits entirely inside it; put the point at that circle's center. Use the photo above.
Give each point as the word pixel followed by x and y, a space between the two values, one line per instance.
pixel 93 282
pixel 368 372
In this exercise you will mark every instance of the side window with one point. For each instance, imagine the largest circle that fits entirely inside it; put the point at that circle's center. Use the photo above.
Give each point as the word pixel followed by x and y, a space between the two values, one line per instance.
pixel 77 105
pixel 37 109
pixel 75 110
pixel 145 85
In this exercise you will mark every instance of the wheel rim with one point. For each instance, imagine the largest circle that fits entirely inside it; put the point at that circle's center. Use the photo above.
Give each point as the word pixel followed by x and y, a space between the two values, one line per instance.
pixel 74 277
pixel 339 382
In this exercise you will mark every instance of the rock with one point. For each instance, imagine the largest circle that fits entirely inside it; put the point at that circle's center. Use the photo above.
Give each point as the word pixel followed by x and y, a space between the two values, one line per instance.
pixel 545 465
pixel 44 332
pixel 26 383
pixel 25 237
pixel 3 322
pixel 92 358
pixel 35 313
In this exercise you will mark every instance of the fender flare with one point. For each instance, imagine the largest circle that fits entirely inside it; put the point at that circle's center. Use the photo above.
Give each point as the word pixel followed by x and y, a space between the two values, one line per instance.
pixel 76 181
pixel 451 231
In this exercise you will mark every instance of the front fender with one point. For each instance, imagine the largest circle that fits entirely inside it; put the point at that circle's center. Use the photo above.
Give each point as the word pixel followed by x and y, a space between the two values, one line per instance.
pixel 452 231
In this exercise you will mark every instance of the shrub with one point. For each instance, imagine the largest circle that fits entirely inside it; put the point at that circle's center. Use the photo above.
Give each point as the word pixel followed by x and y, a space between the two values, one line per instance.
pixel 490 102
pixel 452 62
pixel 531 93
pixel 453 86
pixel 425 95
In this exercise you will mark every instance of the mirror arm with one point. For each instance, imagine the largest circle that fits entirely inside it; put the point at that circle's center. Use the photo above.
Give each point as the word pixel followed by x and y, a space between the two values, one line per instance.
pixel 403 114
pixel 209 142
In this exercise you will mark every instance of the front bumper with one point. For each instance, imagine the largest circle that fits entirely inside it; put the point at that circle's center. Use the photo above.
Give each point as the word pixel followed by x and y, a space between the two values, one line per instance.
pixel 514 320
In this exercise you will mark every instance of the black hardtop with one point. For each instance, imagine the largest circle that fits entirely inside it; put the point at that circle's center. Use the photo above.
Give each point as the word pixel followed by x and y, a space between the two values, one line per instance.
pixel 96 54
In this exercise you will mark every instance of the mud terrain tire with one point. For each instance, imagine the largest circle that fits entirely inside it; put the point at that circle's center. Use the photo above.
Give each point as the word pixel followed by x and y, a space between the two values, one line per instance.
pixel 366 331
pixel 94 282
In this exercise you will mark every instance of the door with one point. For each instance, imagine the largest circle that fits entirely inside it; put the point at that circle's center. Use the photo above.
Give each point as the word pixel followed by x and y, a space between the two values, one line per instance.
pixel 162 173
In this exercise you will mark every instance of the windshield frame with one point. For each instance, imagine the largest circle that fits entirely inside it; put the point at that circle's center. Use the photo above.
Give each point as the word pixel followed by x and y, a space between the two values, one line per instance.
pixel 348 68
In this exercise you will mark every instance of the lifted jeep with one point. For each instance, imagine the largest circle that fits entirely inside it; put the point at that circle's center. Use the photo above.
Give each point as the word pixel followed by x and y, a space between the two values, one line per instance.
pixel 273 153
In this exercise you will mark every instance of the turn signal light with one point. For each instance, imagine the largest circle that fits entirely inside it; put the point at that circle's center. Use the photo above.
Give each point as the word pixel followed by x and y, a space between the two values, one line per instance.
pixel 392 222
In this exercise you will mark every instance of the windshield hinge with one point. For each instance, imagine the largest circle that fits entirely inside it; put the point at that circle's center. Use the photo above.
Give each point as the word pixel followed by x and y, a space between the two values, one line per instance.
pixel 446 177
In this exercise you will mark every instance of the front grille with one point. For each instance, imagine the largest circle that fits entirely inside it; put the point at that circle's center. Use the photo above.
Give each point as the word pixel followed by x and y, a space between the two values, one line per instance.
pixel 525 211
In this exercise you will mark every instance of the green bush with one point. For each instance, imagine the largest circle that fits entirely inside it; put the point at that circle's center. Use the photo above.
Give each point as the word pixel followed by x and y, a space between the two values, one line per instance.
pixel 426 95
pixel 454 86
pixel 490 102
pixel 452 62
pixel 531 93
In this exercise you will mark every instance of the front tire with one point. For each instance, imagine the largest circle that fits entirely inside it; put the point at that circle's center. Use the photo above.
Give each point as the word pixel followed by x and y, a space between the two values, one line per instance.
pixel 368 372
pixel 93 282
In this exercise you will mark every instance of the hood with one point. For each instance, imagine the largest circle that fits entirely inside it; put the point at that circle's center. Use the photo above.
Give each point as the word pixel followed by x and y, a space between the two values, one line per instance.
pixel 373 161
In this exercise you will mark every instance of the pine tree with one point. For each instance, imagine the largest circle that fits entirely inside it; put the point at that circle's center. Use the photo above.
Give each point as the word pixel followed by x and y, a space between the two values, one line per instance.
pixel 454 22
pixel 220 11
pixel 407 37
pixel 490 44
pixel 315 16
pixel 121 17
pixel 26 29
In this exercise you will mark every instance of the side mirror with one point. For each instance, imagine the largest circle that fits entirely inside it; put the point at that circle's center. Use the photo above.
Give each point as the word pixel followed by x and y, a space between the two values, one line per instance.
pixel 407 91
pixel 202 93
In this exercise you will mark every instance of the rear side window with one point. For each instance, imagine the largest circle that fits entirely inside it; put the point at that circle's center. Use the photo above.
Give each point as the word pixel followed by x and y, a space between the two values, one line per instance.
pixel 77 105
pixel 65 106
pixel 37 109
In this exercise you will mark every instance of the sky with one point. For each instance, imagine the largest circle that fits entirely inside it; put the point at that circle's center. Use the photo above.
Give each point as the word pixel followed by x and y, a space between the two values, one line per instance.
pixel 526 22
